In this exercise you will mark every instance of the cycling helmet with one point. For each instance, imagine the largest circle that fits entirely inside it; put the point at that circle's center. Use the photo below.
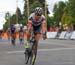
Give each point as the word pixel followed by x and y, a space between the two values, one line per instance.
pixel 21 25
pixel 38 11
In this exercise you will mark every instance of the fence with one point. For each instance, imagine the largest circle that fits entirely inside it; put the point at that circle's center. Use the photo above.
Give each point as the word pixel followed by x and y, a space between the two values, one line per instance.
pixel 62 35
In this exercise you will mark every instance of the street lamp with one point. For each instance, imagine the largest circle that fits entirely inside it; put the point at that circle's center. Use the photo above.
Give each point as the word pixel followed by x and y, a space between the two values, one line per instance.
pixel 60 25
pixel 8 17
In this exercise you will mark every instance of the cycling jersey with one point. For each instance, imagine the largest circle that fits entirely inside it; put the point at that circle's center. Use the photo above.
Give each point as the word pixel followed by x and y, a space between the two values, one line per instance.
pixel 12 28
pixel 36 23
pixel 1 31
pixel 21 29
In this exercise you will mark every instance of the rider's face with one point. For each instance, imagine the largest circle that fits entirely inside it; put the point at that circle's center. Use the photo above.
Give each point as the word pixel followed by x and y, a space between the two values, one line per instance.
pixel 37 17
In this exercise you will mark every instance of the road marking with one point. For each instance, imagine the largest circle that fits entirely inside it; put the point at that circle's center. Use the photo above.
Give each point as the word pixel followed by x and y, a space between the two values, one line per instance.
pixel 56 49
pixel 65 63
pixel 67 45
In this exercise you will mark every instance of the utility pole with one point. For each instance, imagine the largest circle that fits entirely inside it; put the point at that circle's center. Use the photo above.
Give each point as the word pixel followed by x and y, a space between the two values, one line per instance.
pixel 8 19
pixel 27 8
pixel 45 10
pixel 17 12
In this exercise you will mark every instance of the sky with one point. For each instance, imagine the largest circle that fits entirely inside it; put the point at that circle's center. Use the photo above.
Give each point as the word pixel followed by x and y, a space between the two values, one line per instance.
pixel 10 6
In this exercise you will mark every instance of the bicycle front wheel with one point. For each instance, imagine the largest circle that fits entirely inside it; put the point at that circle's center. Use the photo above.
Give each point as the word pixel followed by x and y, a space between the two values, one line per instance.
pixel 32 60
pixel 26 57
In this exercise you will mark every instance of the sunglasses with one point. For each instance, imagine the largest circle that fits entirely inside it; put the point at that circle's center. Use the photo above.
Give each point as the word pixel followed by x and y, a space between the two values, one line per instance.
pixel 38 14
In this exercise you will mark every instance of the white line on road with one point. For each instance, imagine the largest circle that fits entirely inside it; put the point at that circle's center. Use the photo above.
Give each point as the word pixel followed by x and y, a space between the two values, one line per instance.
pixel 67 45
pixel 56 49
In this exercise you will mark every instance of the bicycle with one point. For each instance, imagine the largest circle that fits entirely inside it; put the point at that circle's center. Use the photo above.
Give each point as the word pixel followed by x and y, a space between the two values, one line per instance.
pixel 30 55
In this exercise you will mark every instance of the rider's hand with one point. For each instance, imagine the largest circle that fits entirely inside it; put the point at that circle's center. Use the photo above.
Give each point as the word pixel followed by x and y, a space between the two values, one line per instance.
pixel 44 36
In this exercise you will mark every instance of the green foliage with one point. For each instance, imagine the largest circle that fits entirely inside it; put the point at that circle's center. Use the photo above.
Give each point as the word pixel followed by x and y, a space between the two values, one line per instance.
pixel 72 10
pixel 66 19
pixel 50 22
pixel 69 13
pixel 34 5
pixel 24 21
pixel 58 12
pixel 18 15
pixel 13 19
pixel 5 26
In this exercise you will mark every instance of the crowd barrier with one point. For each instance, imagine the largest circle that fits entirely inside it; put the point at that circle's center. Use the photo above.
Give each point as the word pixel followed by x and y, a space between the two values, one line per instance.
pixel 62 35
pixel 51 34
pixel 73 35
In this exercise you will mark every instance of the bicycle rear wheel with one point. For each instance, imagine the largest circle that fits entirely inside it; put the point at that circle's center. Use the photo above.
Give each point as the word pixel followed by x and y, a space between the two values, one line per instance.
pixel 13 41
pixel 21 39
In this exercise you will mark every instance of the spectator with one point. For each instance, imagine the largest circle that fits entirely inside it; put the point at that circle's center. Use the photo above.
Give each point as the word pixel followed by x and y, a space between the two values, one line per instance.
pixel 57 29
pixel 51 29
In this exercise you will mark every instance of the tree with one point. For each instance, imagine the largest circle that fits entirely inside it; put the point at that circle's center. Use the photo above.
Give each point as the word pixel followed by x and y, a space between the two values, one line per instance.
pixel 18 15
pixel 7 24
pixel 34 5
pixel 50 22
pixel 69 13
pixel 7 16
pixel 72 10
pixel 41 1
pixel 66 19
pixel 58 12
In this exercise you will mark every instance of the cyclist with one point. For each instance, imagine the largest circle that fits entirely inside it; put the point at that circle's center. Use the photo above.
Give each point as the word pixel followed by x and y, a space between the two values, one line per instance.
pixel 37 23
pixel 21 33
pixel 13 32
pixel 1 33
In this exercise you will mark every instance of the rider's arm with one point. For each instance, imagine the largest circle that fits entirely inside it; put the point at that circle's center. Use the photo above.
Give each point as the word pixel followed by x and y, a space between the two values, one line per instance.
pixel 44 25
pixel 44 29
pixel 29 26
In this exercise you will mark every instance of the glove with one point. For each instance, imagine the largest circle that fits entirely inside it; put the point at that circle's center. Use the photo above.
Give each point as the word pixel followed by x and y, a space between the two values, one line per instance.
pixel 44 36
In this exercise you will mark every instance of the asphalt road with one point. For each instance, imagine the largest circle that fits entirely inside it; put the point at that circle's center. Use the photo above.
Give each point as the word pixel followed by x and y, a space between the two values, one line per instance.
pixel 50 52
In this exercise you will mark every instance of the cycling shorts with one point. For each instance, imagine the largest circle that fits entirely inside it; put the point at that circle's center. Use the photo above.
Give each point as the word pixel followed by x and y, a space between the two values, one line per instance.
pixel 12 32
pixel 37 29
